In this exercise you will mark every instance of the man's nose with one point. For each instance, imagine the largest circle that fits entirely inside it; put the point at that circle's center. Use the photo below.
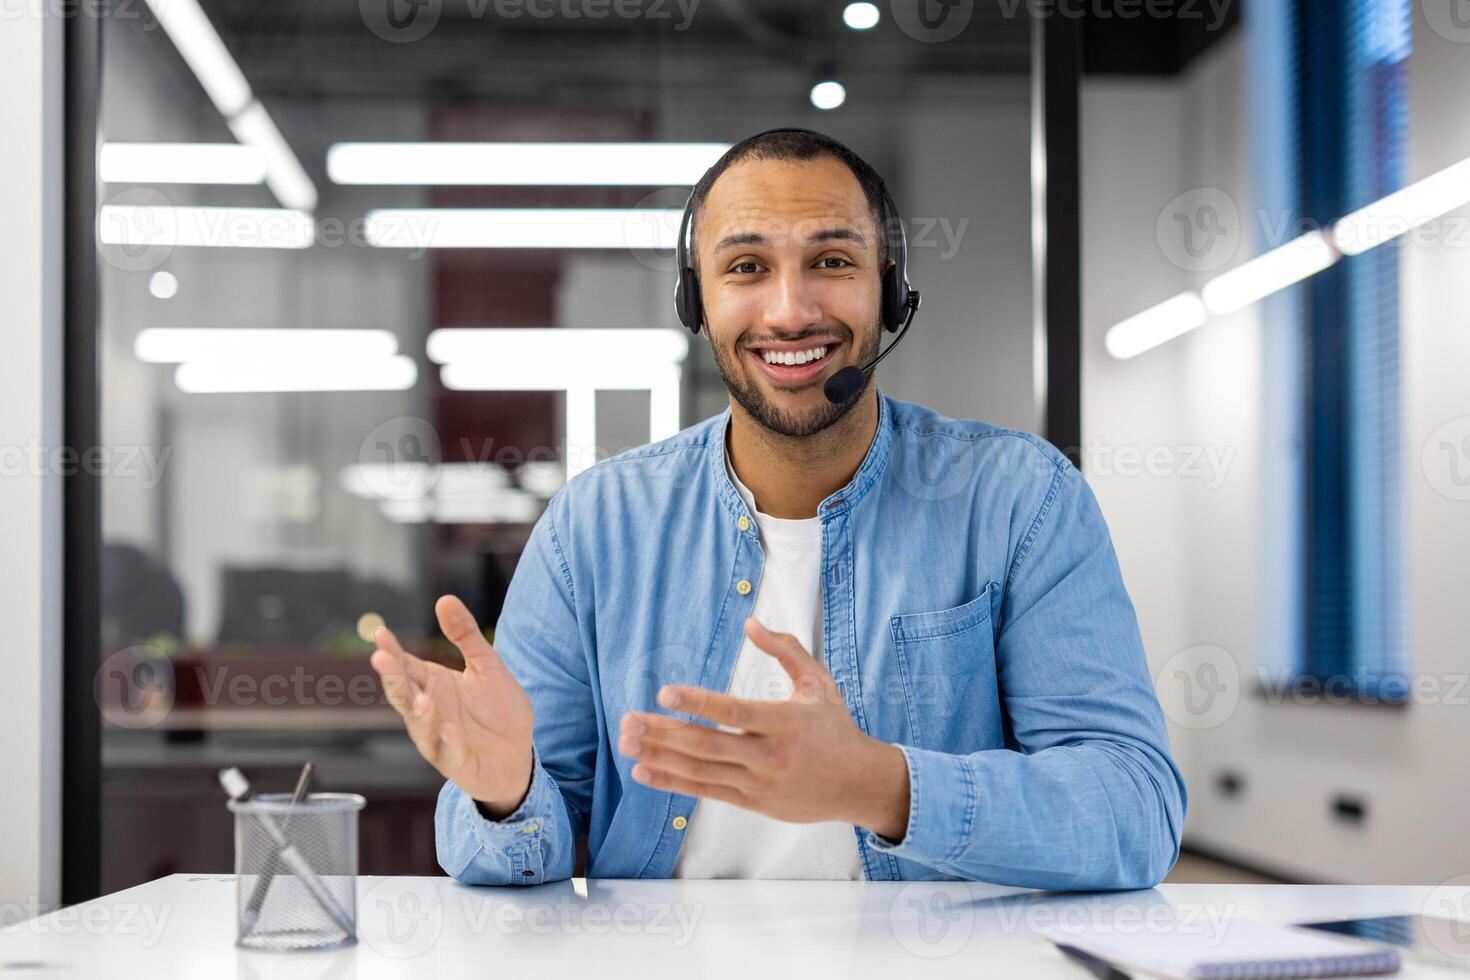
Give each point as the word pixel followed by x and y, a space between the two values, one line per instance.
pixel 793 305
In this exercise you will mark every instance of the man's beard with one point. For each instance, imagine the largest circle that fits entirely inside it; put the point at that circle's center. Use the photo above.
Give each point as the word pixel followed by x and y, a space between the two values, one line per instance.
pixel 754 401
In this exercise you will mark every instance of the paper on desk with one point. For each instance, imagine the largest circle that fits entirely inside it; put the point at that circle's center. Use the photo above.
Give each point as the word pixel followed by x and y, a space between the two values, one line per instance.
pixel 1244 948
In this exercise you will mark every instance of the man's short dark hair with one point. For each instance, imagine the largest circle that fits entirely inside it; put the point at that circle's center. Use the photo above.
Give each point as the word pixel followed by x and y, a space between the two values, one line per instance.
pixel 795 144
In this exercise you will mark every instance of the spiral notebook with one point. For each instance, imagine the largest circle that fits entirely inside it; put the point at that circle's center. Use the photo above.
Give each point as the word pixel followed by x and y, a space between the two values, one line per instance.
pixel 1241 948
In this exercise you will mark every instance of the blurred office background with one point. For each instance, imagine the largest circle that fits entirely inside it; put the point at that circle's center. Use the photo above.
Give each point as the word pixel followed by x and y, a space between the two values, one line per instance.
pixel 1280 453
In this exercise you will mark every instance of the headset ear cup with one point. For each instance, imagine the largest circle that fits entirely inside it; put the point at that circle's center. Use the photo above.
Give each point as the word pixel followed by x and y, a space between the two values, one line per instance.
pixel 893 299
pixel 687 301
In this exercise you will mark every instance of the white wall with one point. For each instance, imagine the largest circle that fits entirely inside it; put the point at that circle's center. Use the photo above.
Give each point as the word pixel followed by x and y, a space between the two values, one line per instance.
pixel 1195 557
pixel 30 499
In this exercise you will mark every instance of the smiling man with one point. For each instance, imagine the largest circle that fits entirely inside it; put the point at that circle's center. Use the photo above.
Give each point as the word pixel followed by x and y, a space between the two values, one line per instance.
pixel 886 644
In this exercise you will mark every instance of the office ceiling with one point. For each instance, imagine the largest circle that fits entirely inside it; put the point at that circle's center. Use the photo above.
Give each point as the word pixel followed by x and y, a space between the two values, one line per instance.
pixel 496 50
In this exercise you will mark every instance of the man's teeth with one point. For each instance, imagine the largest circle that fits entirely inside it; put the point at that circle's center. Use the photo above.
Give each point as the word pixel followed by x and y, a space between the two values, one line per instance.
pixel 793 357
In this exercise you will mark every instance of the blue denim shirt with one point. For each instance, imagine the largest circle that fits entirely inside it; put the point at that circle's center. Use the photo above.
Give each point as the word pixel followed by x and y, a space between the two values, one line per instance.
pixel 974 616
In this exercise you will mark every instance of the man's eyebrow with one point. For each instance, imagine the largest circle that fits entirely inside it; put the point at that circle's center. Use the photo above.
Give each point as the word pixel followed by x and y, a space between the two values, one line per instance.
pixel 743 238
pixel 837 234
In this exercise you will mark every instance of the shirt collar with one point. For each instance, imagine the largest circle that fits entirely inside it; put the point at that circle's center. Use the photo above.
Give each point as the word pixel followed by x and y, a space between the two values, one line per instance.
pixel 836 503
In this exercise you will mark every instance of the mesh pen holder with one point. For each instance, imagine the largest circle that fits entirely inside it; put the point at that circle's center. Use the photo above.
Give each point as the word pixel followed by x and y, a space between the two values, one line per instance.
pixel 296 871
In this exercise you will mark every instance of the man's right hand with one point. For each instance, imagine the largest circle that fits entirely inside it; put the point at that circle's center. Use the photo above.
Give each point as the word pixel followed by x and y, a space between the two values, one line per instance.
pixel 475 725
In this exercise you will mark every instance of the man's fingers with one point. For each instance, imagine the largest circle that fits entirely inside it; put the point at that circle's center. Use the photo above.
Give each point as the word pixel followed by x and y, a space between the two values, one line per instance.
pixel 407 664
pixel 808 675
pixel 422 721
pixel 660 780
pixel 692 739
pixel 396 684
pixel 722 709
pixel 676 763
pixel 461 629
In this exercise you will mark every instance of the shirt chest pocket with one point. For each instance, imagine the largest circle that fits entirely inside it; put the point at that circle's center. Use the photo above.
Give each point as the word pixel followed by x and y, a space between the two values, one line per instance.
pixel 946 661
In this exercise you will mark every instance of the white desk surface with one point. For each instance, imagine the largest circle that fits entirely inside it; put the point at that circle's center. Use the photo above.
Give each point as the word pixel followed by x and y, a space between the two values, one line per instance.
pixel 184 926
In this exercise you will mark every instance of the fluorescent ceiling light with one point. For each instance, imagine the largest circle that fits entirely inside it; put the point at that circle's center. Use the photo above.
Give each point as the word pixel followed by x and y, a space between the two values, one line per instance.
pixel 1177 315
pixel 284 174
pixel 175 345
pixel 157 225
pixel 513 164
pixel 607 347
pixel 579 362
pixel 206 55
pixel 394 373
pixel 180 163
pixel 611 228
pixel 828 94
pixel 1382 221
pixel 1418 204
pixel 204 52
pixel 860 16
pixel 1267 273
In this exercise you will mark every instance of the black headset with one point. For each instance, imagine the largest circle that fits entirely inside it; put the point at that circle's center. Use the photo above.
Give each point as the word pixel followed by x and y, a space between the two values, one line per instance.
pixel 900 301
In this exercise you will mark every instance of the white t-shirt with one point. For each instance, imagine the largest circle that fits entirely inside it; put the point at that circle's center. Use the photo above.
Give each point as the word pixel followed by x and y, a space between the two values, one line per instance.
pixel 726 841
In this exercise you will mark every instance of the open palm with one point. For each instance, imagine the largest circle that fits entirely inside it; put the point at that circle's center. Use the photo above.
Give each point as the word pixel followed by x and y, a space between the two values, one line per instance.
pixel 475 725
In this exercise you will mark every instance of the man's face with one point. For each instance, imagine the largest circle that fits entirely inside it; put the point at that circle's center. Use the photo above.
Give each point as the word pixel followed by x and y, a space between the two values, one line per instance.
pixel 788 271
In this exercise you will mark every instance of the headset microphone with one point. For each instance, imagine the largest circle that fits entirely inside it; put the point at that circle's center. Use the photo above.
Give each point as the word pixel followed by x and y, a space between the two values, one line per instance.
pixel 845 385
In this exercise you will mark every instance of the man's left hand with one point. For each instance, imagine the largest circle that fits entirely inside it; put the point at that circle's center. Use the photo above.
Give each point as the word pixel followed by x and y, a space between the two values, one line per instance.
pixel 801 760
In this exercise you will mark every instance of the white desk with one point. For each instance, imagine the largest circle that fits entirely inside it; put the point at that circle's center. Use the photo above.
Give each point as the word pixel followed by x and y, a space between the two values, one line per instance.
pixel 183 926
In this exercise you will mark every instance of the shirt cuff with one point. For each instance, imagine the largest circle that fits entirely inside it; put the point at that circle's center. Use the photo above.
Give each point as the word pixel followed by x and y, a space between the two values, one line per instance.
pixel 942 802
pixel 522 829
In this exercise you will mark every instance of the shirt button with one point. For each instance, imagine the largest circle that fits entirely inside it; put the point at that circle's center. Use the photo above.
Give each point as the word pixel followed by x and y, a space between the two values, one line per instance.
pixel 531 828
pixel 743 586
pixel 743 523
pixel 680 823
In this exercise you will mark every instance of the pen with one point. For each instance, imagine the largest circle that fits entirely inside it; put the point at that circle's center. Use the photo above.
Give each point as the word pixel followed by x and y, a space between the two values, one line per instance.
pixel 263 883
pixel 1098 966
